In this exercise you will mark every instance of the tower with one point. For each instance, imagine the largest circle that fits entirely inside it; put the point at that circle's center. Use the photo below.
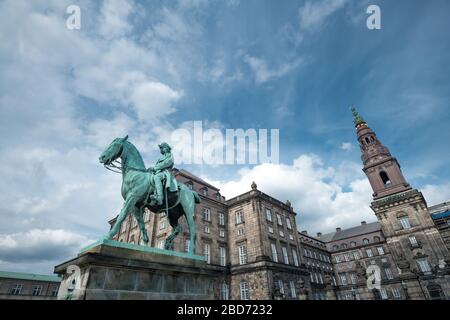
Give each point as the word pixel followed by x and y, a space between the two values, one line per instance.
pixel 381 168
pixel 420 253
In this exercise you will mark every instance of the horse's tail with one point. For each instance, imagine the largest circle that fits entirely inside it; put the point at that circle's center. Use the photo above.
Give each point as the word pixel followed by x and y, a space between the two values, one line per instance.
pixel 196 197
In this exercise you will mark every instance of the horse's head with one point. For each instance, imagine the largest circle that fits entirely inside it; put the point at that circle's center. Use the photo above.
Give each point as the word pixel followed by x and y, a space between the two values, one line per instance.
pixel 113 151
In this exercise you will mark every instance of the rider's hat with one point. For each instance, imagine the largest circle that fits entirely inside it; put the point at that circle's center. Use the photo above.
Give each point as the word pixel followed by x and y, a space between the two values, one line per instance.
pixel 164 144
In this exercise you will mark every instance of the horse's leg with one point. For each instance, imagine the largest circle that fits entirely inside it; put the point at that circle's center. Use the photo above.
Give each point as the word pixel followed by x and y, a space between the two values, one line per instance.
pixel 127 207
pixel 176 229
pixel 188 204
pixel 138 216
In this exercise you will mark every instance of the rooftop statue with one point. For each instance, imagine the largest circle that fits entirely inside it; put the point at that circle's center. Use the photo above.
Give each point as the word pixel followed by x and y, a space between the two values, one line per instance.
pixel 154 188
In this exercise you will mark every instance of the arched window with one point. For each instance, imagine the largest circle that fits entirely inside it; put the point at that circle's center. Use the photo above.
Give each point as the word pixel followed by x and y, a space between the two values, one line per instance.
pixel 344 246
pixel 335 248
pixel 366 241
pixel 384 177
pixel 372 138
pixel 367 140
pixel 353 244
pixel 376 239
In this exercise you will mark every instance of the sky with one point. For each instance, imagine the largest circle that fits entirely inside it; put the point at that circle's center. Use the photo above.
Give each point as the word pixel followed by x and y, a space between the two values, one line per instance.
pixel 147 68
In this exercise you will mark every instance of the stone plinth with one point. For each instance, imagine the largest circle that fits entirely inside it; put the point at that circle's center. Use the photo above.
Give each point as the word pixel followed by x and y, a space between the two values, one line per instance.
pixel 115 270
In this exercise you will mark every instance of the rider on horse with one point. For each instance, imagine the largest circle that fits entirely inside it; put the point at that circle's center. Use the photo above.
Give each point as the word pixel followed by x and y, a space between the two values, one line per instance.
pixel 162 174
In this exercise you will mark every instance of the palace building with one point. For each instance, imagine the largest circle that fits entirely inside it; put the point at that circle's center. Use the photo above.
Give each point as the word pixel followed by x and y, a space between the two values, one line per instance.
pixel 254 240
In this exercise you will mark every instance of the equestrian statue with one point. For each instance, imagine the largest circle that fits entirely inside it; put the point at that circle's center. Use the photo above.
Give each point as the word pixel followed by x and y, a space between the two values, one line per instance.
pixel 154 188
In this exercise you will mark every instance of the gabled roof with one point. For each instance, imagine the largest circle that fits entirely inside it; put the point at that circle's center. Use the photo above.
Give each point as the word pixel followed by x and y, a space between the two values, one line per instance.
pixel 29 276
pixel 351 232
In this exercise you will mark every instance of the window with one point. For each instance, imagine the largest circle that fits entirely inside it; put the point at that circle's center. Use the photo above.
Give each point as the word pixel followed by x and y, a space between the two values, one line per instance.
pixel 270 229
pixel 221 218
pixel 163 224
pixel 281 233
pixel 239 217
pixel 353 278
pixel 242 254
pixel 134 222
pixel 404 221
pixel 146 216
pixel 384 177
pixel 244 290
pixel 218 197
pixel 222 256
pixel 344 246
pixel 380 250
pixel 338 259
pixel 241 232
pixel 269 215
pixel 383 294
pixel 36 290
pixel 190 185
pixel 123 227
pixel 311 276
pixel 353 244
pixel 285 255
pixel 356 255
pixel 54 292
pixel 295 257
pixel 288 223
pixel 424 265
pixel 161 244
pixel 207 214
pixel 280 286
pixel 205 191
pixel 187 242
pixel 279 220
pixel 273 247
pixel 207 252
pixel 16 290
pixel 292 289
pixel 388 273
pixel 369 253
pixel 222 233
pixel 206 229
pixel 343 279
pixel 347 257
pixel 376 239
pixel 396 293
pixel 413 241
pixel 224 292
pixel 366 241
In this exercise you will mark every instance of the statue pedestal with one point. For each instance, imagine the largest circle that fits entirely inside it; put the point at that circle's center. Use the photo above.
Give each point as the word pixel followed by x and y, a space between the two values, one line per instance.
pixel 120 271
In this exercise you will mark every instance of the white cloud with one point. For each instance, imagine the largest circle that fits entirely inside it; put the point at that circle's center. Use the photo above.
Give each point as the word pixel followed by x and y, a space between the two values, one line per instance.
pixel 435 194
pixel 153 100
pixel 313 13
pixel 40 244
pixel 264 73
pixel 346 146
pixel 113 20
pixel 322 197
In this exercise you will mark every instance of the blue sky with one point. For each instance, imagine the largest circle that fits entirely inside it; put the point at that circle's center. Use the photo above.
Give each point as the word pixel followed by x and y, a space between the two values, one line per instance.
pixel 295 66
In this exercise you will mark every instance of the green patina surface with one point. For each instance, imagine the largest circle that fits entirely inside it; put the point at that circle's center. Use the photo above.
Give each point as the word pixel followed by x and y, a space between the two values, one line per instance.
pixel 29 276
pixel 357 119
pixel 118 244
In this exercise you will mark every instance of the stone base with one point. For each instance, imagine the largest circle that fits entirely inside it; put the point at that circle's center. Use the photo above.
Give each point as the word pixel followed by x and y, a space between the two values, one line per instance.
pixel 114 271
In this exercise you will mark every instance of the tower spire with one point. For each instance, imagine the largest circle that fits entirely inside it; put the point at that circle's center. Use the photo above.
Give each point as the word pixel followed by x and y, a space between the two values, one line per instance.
pixel 357 119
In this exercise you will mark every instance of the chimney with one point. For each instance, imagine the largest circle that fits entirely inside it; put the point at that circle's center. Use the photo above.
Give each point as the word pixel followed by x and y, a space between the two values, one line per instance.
pixel 305 232
pixel 338 229
pixel 319 234
pixel 363 223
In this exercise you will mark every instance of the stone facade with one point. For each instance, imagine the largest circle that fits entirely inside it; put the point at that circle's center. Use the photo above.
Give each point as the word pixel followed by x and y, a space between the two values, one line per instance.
pixel 253 240
pixel 25 286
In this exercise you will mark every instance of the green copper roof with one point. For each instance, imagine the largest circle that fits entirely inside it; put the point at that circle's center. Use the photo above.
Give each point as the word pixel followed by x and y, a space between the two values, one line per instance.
pixel 29 276
pixel 357 119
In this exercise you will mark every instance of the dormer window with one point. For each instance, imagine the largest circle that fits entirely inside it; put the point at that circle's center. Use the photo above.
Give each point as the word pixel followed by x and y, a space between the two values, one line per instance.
pixel 218 197
pixel 384 177
pixel 205 191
